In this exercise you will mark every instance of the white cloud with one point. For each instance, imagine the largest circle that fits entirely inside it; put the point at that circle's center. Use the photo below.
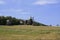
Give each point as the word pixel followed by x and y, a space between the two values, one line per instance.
pixel 2 2
pixel 24 12
pixel 11 10
pixel 16 11
pixel 45 2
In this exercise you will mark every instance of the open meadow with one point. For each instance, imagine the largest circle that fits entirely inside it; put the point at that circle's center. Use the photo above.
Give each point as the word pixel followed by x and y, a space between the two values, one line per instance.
pixel 27 32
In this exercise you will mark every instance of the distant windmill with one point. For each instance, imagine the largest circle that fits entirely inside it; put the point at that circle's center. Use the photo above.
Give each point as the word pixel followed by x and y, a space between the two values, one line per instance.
pixel 31 20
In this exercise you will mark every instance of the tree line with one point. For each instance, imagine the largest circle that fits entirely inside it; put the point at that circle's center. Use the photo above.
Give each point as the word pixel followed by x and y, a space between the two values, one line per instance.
pixel 8 20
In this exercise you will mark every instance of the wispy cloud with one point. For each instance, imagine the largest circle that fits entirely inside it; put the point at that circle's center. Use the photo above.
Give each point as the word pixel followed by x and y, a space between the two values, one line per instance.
pixel 11 10
pixel 2 2
pixel 15 11
pixel 45 2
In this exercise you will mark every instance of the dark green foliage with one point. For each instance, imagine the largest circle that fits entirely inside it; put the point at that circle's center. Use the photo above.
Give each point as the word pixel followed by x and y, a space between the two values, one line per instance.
pixel 38 24
pixel 14 21
pixel 2 20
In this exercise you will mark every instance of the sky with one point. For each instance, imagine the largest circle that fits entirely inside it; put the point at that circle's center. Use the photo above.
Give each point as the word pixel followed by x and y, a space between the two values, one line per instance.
pixel 43 11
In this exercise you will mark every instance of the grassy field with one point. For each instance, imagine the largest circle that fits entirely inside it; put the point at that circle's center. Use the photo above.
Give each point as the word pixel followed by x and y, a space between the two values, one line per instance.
pixel 24 32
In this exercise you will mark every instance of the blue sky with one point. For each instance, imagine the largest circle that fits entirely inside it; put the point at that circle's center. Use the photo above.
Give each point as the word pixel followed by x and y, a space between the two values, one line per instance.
pixel 44 11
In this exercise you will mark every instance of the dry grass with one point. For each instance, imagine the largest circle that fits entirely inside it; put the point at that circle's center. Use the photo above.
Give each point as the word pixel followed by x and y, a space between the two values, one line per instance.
pixel 27 32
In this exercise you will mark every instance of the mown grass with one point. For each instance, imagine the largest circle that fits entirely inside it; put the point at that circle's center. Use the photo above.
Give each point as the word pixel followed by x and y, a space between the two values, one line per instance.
pixel 27 32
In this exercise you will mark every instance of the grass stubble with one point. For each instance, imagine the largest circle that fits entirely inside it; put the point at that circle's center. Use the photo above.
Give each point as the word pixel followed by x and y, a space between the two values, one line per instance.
pixel 28 32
